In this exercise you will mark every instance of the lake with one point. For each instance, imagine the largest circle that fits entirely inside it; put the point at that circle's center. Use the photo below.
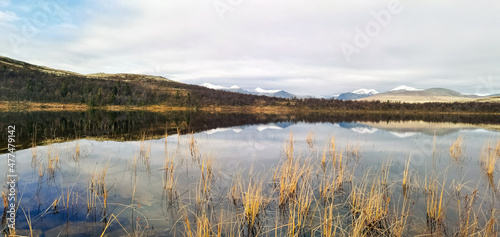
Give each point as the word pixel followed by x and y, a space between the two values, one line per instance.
pixel 193 173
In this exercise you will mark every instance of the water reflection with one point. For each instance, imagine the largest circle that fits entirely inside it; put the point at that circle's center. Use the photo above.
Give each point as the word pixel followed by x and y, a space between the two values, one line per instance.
pixel 150 180
pixel 48 127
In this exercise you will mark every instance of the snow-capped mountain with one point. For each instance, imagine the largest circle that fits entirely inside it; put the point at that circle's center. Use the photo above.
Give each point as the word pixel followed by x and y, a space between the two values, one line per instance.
pixel 234 88
pixel 357 94
pixel 274 93
pixel 405 88
pixel 262 91
pixel 364 91
pixel 215 87
pixel 256 91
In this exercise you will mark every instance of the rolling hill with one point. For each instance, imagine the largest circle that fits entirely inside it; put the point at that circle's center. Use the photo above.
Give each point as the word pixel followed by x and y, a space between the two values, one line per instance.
pixel 421 96
pixel 21 81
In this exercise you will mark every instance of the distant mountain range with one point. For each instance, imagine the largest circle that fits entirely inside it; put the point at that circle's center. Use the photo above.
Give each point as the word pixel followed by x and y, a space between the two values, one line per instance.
pixel 401 93
pixel 256 91
pixel 357 94
pixel 23 81
pixel 410 94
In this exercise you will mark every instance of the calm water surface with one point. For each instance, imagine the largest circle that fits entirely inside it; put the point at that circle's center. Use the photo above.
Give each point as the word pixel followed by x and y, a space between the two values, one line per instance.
pixel 135 173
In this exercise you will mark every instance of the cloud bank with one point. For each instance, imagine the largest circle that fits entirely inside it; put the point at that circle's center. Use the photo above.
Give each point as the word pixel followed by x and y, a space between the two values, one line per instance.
pixel 293 45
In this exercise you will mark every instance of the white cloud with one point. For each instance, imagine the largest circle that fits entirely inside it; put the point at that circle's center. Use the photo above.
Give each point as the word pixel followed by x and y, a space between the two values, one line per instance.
pixel 291 45
pixel 7 16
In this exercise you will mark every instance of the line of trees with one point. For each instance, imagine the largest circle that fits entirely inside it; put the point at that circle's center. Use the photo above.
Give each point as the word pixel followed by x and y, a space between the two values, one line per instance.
pixel 28 83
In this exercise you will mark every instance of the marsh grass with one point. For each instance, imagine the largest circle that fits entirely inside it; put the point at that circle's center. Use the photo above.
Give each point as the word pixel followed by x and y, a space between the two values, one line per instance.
pixel 52 162
pixel 77 153
pixel 330 223
pixel 406 175
pixel 5 201
pixel 497 149
pixel 33 145
pixel 489 228
pixel 353 152
pixel 254 203
pixel 300 212
pixel 312 195
pixel 334 175
pixel 489 159
pixel 170 179
pixel 370 205
pixel 289 174
pixel 144 149
pixel 310 140
pixel 436 210
pixel 28 221
pixel 467 222
pixel 236 190
pixel 194 149
pixel 457 149
pixel 97 192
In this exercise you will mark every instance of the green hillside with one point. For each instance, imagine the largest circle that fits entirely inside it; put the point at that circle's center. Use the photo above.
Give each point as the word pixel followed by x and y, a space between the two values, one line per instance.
pixel 22 81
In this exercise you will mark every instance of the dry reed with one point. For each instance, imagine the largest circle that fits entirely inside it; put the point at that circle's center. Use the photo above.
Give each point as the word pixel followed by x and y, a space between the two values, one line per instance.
pixel 489 159
pixel 457 149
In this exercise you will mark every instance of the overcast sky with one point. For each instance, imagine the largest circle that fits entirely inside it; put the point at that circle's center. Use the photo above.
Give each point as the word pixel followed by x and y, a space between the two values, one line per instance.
pixel 321 47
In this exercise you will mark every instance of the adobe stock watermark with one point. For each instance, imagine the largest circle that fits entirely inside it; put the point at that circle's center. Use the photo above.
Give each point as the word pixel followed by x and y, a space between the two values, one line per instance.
pixel 40 18
pixel 486 85
pixel 363 38
pixel 222 7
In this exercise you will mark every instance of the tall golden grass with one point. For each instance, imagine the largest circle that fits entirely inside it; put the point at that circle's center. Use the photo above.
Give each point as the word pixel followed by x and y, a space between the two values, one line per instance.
pixel 489 159
pixel 310 140
pixel 457 149
pixel 312 195
pixel 52 161
pixel 436 211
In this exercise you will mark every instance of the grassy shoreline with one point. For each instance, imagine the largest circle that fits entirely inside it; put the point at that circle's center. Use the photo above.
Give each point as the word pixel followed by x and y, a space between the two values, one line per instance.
pixel 26 106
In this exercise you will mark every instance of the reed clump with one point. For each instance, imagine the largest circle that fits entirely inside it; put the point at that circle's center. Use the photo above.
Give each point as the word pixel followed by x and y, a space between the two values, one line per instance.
pixel 33 145
pixel 144 149
pixel 310 140
pixel 353 152
pixel 489 228
pixel 497 149
pixel 334 175
pixel 170 181
pixel 406 175
pixel 76 156
pixel 96 190
pixel 369 206
pixel 40 171
pixel 194 149
pixel 300 212
pixel 489 159
pixel 468 224
pixel 236 190
pixel 434 198
pixel 254 203
pixel 330 223
pixel 5 201
pixel 289 174
pixel 457 149
pixel 52 161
